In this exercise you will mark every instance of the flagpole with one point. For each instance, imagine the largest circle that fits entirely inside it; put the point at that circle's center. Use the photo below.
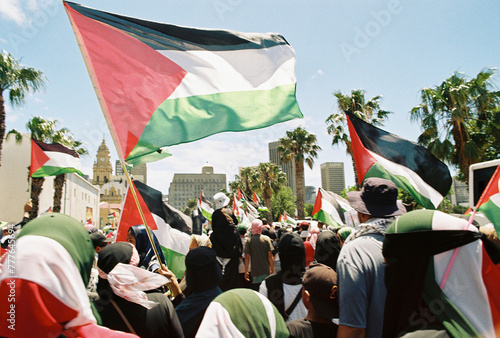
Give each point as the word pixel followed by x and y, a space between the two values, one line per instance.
pixel 143 218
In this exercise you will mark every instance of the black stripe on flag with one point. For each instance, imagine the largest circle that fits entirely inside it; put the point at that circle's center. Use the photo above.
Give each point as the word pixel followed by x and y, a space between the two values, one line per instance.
pixel 57 148
pixel 161 36
pixel 153 199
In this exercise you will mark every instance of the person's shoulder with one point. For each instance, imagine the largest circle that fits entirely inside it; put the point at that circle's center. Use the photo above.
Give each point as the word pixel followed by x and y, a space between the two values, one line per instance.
pixel 300 328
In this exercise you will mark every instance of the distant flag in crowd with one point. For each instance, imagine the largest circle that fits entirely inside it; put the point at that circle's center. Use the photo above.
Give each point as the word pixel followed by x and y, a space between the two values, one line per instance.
pixel 171 227
pixel 257 201
pixel 205 207
pixel 327 209
pixel 53 159
pixel 489 202
pixel 111 215
pixel 239 194
pixel 288 219
pixel 410 166
pixel 191 78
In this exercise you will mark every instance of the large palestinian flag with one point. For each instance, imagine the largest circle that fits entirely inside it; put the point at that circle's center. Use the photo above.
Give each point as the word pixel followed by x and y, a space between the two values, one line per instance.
pixel 173 84
pixel 171 227
pixel 410 166
pixel 419 249
pixel 327 209
pixel 489 203
pixel 53 159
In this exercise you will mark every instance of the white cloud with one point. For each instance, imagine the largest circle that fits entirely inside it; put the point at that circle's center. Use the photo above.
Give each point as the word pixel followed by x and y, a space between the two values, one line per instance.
pixel 319 72
pixel 11 10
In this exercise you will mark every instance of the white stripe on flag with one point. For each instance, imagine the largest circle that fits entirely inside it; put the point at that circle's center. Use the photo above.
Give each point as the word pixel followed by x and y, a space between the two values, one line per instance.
pixel 210 72
pixel 62 160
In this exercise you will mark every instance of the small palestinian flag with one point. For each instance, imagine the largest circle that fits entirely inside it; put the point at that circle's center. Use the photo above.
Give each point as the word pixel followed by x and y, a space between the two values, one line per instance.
pixel 173 84
pixel 418 250
pixel 410 166
pixel 327 209
pixel 258 202
pixel 288 219
pixel 489 203
pixel 171 227
pixel 205 207
pixel 53 159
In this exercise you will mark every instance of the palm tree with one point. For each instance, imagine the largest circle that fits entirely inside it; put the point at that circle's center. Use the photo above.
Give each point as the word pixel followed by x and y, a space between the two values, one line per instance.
pixel 270 179
pixel 18 81
pixel 299 146
pixel 454 117
pixel 45 131
pixel 355 104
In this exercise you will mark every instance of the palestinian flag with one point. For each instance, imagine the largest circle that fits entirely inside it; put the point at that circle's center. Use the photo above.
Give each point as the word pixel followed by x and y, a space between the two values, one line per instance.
pixel 289 220
pixel 418 249
pixel 171 227
pixel 43 283
pixel 410 166
pixel 53 159
pixel 489 203
pixel 205 207
pixel 257 201
pixel 327 210
pixel 173 84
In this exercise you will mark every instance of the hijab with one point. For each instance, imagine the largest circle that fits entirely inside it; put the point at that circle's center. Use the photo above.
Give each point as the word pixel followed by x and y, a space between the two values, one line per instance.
pixel 327 249
pixel 144 247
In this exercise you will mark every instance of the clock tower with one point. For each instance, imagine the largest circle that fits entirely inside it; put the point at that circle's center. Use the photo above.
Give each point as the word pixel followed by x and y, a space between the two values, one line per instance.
pixel 102 165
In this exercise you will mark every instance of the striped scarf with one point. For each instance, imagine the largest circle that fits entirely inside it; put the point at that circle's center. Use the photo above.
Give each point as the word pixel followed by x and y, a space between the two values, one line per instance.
pixel 372 226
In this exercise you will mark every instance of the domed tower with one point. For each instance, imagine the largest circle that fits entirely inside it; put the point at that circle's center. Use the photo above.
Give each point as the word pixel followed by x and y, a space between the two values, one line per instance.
pixel 102 168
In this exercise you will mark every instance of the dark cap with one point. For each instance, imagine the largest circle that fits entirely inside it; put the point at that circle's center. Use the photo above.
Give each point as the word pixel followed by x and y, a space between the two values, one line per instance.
pixel 378 198
pixel 98 239
pixel 319 281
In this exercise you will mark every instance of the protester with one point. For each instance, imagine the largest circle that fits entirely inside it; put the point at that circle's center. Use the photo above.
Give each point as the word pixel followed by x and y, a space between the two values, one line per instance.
pixel 284 288
pixel 243 230
pixel 137 235
pixel 195 242
pixel 422 299
pixel 327 249
pixel 343 233
pixel 258 250
pixel 203 275
pixel 360 266
pixel 226 242
pixel 320 297
pixel 99 241
pixel 313 236
pixel 242 313
pixel 123 304
pixel 52 258
pixel 309 252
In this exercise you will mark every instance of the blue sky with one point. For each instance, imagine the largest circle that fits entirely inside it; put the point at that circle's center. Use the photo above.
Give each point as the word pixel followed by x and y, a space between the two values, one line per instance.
pixel 389 48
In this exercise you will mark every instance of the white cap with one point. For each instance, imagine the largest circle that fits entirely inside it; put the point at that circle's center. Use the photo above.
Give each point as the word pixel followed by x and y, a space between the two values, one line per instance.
pixel 221 200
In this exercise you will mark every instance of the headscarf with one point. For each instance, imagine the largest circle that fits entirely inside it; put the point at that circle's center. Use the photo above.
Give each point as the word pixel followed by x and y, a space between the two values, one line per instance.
pixel 292 257
pixel 344 232
pixel 256 227
pixel 52 257
pixel 118 272
pixel 202 269
pixel 242 313
pixel 145 249
pixel 314 232
pixel 327 249
pixel 418 248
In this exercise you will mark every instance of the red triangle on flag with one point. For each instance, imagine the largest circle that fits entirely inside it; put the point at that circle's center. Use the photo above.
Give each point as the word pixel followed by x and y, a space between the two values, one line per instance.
pixel 38 157
pixel 130 215
pixel 362 157
pixel 133 85
pixel 317 203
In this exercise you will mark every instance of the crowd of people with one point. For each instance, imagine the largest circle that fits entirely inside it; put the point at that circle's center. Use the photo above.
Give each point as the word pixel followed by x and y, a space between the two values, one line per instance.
pixel 62 279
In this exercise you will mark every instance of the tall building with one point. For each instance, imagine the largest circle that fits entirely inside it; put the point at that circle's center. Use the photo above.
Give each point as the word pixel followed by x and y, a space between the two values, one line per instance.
pixel 460 195
pixel 332 176
pixel 188 186
pixel 310 194
pixel 139 172
pixel 288 169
